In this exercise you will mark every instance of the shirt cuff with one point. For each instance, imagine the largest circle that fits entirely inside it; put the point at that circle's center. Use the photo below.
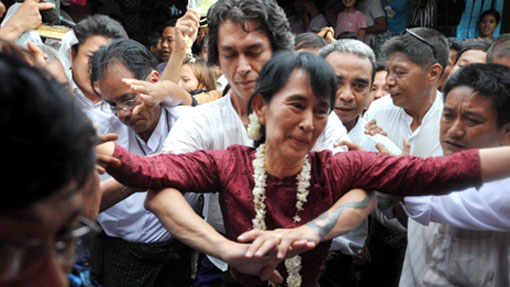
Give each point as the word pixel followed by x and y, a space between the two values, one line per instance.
pixel 418 208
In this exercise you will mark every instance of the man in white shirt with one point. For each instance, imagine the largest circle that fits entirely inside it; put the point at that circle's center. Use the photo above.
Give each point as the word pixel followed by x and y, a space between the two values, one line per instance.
pixel 137 249
pixel 240 42
pixel 415 62
pixel 354 64
pixel 469 231
pixel 91 34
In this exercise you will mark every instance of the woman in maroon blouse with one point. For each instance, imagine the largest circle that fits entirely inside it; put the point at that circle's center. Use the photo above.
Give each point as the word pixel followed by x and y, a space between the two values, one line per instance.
pixel 303 199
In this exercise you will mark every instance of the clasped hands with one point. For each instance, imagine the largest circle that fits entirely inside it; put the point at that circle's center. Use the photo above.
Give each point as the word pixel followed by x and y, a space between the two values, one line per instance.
pixel 269 248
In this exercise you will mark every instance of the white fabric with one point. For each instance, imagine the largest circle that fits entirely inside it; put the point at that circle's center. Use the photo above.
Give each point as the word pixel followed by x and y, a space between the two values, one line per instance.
pixel 216 125
pixel 485 209
pixel 372 10
pixel 84 102
pixel 23 39
pixel 128 219
pixel 397 123
pixel 352 242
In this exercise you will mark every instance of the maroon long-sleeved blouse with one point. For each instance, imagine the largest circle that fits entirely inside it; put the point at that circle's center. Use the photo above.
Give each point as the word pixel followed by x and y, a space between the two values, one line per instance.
pixel 231 172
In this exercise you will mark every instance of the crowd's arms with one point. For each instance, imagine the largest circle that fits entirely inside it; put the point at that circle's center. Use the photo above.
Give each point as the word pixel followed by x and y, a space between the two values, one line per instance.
pixel 26 18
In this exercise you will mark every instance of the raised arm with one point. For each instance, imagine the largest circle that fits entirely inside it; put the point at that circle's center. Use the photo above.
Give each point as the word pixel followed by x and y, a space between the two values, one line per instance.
pixel 196 171
pixel 346 214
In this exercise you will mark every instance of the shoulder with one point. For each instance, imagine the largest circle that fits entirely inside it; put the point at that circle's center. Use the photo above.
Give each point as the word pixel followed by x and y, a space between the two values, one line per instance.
pixel 384 104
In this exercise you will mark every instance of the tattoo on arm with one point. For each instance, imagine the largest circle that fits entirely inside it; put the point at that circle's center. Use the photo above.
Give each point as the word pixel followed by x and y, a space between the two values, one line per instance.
pixel 326 221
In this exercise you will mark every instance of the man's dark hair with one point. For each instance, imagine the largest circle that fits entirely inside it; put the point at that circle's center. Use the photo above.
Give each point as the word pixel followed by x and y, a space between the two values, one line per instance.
pixel 348 35
pixel 380 66
pixel 269 17
pixel 488 80
pixel 98 25
pixel 455 44
pixel 131 54
pixel 309 40
pixel 499 48
pixel 48 141
pixel 473 44
pixel 417 51
pixel 276 73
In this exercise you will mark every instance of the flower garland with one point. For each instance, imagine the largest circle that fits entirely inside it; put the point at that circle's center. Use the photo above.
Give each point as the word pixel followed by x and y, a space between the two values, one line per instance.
pixel 293 265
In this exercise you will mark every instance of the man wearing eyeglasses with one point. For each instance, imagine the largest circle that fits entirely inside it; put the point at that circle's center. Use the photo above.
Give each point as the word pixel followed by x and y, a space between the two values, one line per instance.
pixel 137 251
pixel 50 160
pixel 412 111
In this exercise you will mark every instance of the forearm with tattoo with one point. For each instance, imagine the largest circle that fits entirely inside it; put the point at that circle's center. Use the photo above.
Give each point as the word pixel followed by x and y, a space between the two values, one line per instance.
pixel 327 221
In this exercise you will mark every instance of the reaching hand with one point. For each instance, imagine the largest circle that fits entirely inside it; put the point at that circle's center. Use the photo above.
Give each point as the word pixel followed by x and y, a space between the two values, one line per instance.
pixel 350 145
pixel 186 25
pixel 372 128
pixel 405 151
pixel 287 242
pixel 104 151
pixel 28 17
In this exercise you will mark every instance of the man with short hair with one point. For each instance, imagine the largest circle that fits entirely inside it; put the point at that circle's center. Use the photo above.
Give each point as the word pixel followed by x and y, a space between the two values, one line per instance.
pixel 137 249
pixel 91 33
pixel 243 36
pixel 415 63
pixel 162 50
pixel 354 64
pixel 499 51
pixel 469 231
pixel 473 51
pixel 51 158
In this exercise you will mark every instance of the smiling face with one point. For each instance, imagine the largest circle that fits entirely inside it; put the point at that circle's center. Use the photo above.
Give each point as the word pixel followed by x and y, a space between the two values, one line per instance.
pixel 487 26
pixel 241 55
pixel 469 121
pixel 141 119
pixel 354 75
pixel 294 118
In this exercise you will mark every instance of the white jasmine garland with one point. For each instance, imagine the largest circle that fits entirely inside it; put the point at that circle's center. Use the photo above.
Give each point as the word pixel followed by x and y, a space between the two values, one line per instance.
pixel 254 129
pixel 293 265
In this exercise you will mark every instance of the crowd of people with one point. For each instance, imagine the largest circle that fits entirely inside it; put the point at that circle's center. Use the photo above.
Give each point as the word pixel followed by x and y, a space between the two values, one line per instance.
pixel 274 150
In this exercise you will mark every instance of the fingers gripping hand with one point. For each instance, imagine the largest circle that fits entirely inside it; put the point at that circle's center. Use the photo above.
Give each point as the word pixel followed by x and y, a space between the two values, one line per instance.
pixel 372 128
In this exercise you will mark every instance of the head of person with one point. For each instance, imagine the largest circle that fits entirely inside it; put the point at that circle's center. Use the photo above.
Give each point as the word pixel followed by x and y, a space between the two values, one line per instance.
pixel 477 108
pixel 455 45
pixel 499 51
pixel 92 33
pixel 354 65
pixel 243 35
pixel 379 87
pixel 163 48
pixel 346 4
pixel 348 35
pixel 309 42
pixel 197 76
pixel 487 23
pixel 473 51
pixel 293 98
pixel 51 157
pixel 54 64
pixel 126 58
pixel 415 62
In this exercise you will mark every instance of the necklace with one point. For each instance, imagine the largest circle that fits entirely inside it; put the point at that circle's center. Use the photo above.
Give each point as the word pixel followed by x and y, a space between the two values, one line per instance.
pixel 293 265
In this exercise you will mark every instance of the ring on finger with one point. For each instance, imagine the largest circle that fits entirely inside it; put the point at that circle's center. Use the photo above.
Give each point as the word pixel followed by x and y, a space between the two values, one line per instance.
pixel 191 29
pixel 279 236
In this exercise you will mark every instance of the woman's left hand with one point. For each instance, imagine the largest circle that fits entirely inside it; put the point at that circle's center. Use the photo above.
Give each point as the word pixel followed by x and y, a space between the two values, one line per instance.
pixel 286 242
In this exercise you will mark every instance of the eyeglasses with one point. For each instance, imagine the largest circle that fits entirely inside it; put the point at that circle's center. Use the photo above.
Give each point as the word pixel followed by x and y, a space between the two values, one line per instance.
pixel 126 106
pixel 423 40
pixel 20 259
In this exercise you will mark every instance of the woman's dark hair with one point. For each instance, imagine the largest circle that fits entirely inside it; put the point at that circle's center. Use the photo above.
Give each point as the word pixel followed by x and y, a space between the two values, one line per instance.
pixel 490 12
pixel 276 73
pixel 488 80
pixel 49 142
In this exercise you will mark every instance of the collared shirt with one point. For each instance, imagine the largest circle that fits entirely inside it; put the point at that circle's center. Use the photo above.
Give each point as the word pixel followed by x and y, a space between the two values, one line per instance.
pixel 216 125
pixel 128 219
pixel 469 243
pixel 397 123
pixel 352 242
